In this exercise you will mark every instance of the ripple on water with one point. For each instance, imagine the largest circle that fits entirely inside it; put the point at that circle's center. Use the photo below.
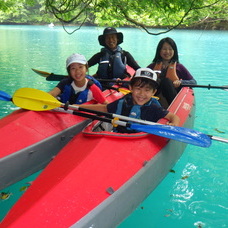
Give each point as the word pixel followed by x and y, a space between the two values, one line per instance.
pixel 210 213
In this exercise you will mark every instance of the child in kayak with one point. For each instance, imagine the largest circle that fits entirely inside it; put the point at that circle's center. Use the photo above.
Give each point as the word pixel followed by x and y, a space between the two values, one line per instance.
pixel 78 87
pixel 139 103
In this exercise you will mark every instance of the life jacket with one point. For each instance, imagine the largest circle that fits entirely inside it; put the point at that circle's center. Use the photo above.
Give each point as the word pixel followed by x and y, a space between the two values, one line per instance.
pixel 111 64
pixel 135 110
pixel 95 81
pixel 79 98
pixel 171 70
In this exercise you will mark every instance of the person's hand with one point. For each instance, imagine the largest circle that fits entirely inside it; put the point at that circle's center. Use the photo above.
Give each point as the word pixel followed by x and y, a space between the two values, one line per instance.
pixel 177 83
pixel 175 124
pixel 174 120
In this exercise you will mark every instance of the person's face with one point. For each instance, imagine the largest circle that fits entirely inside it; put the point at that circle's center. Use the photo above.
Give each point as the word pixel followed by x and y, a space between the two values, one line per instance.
pixel 166 52
pixel 111 41
pixel 141 95
pixel 78 71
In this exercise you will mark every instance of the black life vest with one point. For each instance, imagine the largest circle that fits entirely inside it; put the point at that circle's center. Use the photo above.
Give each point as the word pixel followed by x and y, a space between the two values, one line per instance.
pixel 111 64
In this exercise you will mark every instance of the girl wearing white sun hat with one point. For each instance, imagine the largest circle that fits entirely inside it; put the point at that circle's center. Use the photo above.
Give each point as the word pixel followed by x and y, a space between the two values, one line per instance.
pixel 78 87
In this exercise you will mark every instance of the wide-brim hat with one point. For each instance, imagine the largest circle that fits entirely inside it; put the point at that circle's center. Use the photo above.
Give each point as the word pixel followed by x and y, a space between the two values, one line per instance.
pixel 147 73
pixel 107 31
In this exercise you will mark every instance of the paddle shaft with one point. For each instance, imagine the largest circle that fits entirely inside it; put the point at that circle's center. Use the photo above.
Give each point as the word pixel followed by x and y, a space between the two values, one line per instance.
pixel 55 77
pixel 204 86
pixel 218 138
pixel 58 77
pixel 103 119
pixel 122 90
pixel 112 80
pixel 114 88
pixel 109 115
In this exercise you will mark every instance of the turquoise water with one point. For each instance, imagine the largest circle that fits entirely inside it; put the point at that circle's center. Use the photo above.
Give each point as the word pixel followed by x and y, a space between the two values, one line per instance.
pixel 193 195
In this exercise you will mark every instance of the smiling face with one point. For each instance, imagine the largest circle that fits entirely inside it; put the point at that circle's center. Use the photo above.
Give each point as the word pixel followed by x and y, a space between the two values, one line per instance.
pixel 111 41
pixel 142 94
pixel 78 72
pixel 166 52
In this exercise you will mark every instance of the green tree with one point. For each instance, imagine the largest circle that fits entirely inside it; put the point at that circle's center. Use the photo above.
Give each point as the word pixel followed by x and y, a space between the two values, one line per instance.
pixel 144 14
pixel 24 11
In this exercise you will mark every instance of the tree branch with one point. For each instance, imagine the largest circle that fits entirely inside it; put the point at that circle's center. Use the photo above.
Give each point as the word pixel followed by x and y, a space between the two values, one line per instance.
pixel 67 11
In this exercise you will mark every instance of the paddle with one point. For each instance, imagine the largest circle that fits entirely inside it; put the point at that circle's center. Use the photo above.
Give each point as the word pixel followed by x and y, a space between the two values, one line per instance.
pixel 37 100
pixel 205 86
pixel 122 90
pixel 50 76
pixel 42 73
pixel 183 85
pixel 177 133
pixel 5 96
pixel 26 98
pixel 58 77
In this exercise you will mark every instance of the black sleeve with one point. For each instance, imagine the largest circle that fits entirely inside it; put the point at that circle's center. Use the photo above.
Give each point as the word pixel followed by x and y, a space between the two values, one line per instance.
pixel 153 113
pixel 131 61
pixel 94 59
pixel 63 82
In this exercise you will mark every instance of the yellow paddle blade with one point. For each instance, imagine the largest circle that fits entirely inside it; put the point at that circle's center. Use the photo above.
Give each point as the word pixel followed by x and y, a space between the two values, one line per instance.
pixel 34 99
pixel 41 73
pixel 126 91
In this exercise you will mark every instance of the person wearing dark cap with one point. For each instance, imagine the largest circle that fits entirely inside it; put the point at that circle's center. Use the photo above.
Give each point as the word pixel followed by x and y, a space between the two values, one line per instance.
pixel 112 59
pixel 139 103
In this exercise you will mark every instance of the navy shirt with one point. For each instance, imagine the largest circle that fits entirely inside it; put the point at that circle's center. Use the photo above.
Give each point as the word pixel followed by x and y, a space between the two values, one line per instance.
pixel 150 112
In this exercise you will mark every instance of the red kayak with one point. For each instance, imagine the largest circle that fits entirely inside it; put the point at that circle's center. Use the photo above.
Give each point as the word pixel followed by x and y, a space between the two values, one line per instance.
pixel 100 177
pixel 30 140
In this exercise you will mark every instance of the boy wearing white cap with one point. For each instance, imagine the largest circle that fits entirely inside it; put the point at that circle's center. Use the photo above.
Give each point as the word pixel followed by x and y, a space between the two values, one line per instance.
pixel 139 103
pixel 78 87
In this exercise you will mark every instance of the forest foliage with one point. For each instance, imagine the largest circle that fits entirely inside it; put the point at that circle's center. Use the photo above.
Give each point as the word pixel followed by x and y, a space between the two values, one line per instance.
pixel 167 14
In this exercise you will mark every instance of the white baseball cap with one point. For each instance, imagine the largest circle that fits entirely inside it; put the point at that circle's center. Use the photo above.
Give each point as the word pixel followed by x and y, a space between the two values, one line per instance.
pixel 146 73
pixel 76 58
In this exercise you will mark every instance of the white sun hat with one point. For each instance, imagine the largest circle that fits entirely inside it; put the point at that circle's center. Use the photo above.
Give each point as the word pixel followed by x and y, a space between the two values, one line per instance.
pixel 76 58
